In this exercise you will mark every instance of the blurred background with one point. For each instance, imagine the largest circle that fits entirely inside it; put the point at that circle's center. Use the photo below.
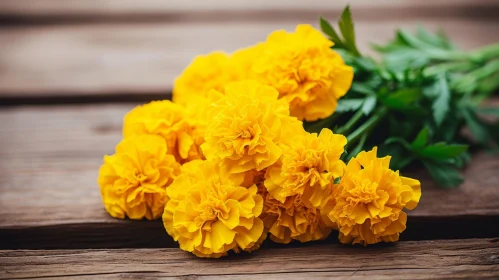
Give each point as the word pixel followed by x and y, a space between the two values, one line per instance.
pixel 71 51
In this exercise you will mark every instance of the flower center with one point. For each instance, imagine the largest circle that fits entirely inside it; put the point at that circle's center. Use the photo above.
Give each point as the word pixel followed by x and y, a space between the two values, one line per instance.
pixel 245 134
pixel 208 214
pixel 211 210
pixel 365 192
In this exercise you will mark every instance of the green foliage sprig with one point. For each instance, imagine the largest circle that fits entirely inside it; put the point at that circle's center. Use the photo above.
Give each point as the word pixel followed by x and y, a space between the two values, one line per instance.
pixel 415 101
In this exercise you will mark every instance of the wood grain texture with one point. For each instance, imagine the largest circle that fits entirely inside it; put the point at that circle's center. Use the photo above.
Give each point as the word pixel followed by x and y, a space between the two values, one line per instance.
pixel 109 8
pixel 439 259
pixel 49 159
pixel 115 59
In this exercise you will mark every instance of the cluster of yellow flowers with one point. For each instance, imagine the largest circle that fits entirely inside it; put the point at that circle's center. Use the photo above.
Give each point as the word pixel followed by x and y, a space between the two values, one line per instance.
pixel 228 163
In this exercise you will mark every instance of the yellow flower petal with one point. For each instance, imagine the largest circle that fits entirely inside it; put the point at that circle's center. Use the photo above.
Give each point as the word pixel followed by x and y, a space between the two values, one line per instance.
pixel 248 237
pixel 219 236
pixel 416 194
pixel 307 168
pixel 308 74
pixel 182 129
pixel 205 203
pixel 134 179
pixel 245 129
pixel 367 204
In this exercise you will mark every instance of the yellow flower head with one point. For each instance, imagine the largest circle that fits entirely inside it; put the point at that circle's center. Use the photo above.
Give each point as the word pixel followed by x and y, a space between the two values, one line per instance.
pixel 206 72
pixel 308 167
pixel 308 74
pixel 182 130
pixel 247 125
pixel 367 204
pixel 209 213
pixel 242 60
pixel 133 180
pixel 292 219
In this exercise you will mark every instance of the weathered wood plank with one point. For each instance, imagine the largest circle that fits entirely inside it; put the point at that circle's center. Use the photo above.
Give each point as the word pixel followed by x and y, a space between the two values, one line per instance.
pixel 439 259
pixel 71 61
pixel 49 158
pixel 109 8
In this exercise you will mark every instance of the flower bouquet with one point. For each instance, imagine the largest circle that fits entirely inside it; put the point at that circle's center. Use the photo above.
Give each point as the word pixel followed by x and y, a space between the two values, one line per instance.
pixel 280 140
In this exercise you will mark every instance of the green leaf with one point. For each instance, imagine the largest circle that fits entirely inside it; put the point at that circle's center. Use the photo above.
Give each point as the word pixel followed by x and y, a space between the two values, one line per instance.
pixel 433 39
pixel 412 41
pixel 346 105
pixel 445 40
pixel 405 57
pixel 448 131
pixel 442 151
pixel 402 101
pixel 490 111
pixel 398 140
pixel 348 31
pixel 441 104
pixel 460 160
pixel 368 105
pixel 426 48
pixel 421 139
pixel 489 85
pixel 403 162
pixel 428 90
pixel 444 174
pixel 477 127
pixel 329 30
pixel 366 63
pixel 362 88
pixel 403 96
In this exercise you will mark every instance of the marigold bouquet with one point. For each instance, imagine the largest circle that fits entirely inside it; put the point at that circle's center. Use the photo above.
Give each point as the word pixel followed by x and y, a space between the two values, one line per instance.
pixel 229 164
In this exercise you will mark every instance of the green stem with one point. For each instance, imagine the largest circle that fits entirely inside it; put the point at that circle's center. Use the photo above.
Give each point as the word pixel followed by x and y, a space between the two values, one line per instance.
pixel 486 70
pixel 475 76
pixel 348 126
pixel 366 127
pixel 485 53
pixel 317 126
pixel 448 66
pixel 479 55
pixel 447 55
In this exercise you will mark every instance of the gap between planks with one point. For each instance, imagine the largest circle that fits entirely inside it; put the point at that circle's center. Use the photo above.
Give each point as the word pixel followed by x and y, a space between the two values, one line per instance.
pixel 50 156
pixel 439 259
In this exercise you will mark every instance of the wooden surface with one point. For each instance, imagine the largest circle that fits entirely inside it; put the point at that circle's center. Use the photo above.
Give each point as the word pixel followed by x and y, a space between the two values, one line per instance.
pixel 86 63
pixel 442 259
pixel 50 198
pixel 107 8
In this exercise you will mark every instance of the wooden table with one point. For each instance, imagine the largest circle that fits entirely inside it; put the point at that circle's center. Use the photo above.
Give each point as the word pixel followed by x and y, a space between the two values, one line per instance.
pixel 70 70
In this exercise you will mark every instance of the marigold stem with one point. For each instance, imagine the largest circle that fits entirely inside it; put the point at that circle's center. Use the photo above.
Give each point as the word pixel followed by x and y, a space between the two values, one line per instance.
pixel 366 127
pixel 348 126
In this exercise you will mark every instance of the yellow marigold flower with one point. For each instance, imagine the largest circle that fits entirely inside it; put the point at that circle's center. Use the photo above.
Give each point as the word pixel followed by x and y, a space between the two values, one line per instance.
pixel 247 126
pixel 182 131
pixel 308 74
pixel 213 71
pixel 292 220
pixel 206 72
pixel 367 204
pixel 308 167
pixel 133 180
pixel 209 213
